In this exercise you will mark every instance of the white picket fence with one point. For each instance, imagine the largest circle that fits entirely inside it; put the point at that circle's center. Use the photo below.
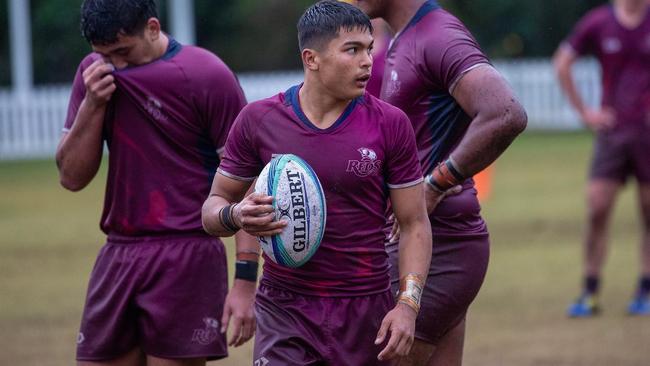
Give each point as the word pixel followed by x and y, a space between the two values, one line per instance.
pixel 30 125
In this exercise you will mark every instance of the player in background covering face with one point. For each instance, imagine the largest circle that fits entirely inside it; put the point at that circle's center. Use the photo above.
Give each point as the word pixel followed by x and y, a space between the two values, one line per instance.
pixel 337 309
pixel 163 109
pixel 464 115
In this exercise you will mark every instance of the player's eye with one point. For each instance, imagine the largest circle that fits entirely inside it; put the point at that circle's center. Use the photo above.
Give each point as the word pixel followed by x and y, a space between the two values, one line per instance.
pixel 352 50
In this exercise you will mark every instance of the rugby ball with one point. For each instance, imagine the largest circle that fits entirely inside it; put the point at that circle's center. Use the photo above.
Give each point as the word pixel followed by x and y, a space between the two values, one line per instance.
pixel 299 199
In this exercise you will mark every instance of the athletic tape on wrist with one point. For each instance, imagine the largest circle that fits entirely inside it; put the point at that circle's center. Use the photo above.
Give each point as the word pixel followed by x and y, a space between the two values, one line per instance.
pixel 411 291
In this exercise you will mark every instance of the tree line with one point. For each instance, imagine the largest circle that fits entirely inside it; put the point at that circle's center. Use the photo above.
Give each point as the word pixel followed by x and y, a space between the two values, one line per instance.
pixel 260 35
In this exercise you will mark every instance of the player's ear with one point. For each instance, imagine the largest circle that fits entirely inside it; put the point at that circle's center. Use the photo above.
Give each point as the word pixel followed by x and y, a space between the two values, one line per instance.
pixel 152 29
pixel 310 59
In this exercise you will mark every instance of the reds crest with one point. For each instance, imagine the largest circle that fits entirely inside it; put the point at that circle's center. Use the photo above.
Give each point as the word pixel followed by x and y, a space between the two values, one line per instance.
pixel 368 165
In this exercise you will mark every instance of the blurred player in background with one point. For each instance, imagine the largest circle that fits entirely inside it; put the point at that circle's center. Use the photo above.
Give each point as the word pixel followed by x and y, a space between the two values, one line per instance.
pixel 337 309
pixel 157 290
pixel 618 35
pixel 464 115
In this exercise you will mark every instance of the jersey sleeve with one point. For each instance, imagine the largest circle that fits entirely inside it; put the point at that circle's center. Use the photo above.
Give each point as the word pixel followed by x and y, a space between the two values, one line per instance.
pixel 240 159
pixel 450 52
pixel 402 164
pixel 77 94
pixel 583 37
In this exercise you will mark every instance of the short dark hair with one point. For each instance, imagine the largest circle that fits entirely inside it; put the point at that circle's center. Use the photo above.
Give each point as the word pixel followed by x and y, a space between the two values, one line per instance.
pixel 103 20
pixel 322 22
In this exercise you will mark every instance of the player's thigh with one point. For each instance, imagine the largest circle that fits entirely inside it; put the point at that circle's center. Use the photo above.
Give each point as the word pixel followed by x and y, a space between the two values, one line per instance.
pixel 456 274
pixel 133 358
pixel 449 350
pixel 157 361
pixel 289 329
pixel 180 304
pixel 611 158
pixel 601 195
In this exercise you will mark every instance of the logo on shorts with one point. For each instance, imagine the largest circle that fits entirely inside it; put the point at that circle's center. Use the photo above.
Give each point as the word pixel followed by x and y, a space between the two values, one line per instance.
pixel 208 334
pixel 80 338
pixel 154 108
pixel 262 361
pixel 368 165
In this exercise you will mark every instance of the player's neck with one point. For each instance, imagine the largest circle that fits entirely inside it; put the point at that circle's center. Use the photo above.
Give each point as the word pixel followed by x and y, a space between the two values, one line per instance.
pixel 321 108
pixel 400 13
pixel 630 13
pixel 160 46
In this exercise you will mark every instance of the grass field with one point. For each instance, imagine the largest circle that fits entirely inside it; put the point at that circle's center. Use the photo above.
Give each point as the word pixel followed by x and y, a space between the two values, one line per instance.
pixel 49 238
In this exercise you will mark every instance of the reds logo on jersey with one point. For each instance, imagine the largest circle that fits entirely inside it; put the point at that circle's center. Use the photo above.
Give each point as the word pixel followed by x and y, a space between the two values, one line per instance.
pixel 368 165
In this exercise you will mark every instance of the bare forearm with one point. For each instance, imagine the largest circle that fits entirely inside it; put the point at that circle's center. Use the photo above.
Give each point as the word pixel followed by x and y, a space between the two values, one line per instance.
pixel 497 118
pixel 487 138
pixel 79 153
pixel 415 248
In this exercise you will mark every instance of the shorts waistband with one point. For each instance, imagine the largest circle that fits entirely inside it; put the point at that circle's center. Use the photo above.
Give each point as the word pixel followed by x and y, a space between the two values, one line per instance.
pixel 126 239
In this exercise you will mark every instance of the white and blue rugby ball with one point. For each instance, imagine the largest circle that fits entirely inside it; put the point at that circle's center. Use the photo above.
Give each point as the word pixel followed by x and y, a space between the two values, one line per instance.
pixel 299 199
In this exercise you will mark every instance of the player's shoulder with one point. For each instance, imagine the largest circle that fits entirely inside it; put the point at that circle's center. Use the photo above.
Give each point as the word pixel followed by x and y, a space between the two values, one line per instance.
pixel 382 112
pixel 201 64
pixel 439 21
pixel 438 29
pixel 256 112
pixel 599 15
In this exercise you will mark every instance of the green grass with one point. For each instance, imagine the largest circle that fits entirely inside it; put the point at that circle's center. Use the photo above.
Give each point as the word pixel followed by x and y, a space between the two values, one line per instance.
pixel 49 238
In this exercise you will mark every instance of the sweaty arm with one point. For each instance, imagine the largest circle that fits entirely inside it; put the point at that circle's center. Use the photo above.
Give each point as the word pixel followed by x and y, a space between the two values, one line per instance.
pixel 79 153
pixel 497 118
pixel 414 260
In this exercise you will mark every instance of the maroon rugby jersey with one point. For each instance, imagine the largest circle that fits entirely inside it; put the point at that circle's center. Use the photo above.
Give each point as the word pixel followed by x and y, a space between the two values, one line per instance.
pixel 423 64
pixel 163 127
pixel 624 56
pixel 369 149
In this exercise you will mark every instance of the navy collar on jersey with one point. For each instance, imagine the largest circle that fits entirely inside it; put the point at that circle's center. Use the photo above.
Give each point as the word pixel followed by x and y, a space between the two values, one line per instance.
pixel 291 95
pixel 426 8
pixel 173 48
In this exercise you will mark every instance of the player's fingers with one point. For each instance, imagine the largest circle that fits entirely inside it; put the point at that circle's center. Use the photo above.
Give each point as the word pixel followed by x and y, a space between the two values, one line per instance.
pixel 247 331
pixel 89 70
pixel 99 72
pixel 403 347
pixel 236 331
pixel 255 209
pixel 256 220
pixel 383 329
pixel 453 190
pixel 389 351
pixel 225 317
pixel 260 198
pixel 265 232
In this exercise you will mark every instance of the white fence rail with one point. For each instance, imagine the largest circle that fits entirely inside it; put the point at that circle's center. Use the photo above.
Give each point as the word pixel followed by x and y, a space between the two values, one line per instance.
pixel 30 125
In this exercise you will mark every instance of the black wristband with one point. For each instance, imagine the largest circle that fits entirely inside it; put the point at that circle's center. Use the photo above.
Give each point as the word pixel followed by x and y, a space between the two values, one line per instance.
pixel 452 169
pixel 226 218
pixel 246 270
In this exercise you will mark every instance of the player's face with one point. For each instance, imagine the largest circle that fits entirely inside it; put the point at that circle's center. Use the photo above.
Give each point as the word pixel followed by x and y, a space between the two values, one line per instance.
pixel 127 51
pixel 372 8
pixel 345 64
